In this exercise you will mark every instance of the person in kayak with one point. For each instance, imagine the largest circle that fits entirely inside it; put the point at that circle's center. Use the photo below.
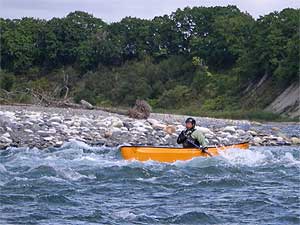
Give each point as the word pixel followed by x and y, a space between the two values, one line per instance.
pixel 191 135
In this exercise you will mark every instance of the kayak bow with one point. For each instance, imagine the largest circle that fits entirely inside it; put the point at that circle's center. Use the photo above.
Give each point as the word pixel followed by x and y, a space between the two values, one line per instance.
pixel 170 154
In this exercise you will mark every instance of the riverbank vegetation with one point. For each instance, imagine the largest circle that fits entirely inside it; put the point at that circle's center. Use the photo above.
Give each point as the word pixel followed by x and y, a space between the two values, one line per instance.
pixel 204 60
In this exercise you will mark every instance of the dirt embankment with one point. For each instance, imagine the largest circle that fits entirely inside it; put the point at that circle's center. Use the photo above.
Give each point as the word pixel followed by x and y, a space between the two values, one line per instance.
pixel 288 102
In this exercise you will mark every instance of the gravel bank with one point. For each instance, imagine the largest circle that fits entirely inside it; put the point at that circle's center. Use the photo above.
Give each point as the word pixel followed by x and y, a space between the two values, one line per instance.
pixel 33 126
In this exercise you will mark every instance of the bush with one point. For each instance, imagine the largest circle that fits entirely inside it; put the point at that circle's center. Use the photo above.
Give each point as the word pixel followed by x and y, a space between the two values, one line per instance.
pixel 40 85
pixel 175 98
pixel 141 110
pixel 219 103
pixel 7 81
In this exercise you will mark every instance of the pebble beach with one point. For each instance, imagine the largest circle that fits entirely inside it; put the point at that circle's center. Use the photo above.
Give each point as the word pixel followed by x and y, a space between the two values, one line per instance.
pixel 42 127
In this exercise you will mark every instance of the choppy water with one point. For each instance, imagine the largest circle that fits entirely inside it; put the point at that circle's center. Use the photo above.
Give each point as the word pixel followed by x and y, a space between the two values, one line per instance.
pixel 79 184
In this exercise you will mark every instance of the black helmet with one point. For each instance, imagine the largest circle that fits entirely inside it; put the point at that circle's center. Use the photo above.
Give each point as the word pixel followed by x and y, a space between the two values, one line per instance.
pixel 191 120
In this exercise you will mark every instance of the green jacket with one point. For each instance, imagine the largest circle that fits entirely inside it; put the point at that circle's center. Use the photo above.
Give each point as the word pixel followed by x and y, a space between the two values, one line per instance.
pixel 197 135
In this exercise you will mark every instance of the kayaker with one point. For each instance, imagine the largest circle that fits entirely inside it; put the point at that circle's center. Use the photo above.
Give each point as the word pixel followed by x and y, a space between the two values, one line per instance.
pixel 191 134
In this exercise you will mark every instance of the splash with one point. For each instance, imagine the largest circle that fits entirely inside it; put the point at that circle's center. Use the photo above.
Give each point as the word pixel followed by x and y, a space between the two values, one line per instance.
pixel 290 159
pixel 245 157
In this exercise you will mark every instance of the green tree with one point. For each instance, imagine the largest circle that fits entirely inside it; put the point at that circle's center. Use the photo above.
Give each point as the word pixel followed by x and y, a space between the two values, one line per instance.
pixel 19 49
pixel 177 97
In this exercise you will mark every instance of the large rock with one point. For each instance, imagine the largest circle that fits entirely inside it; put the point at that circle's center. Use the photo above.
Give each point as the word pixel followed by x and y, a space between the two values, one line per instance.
pixel 257 140
pixel 9 129
pixel 204 130
pixel 141 129
pixel 6 135
pixel 252 132
pixel 275 128
pixel 28 131
pixel 115 130
pixel 255 123
pixel 46 133
pixel 117 123
pixel 50 138
pixel 170 129
pixel 58 144
pixel 230 129
pixel 127 125
pixel 5 138
pixel 111 121
pixel 207 135
pixel 180 128
pixel 86 104
pixel 156 124
pixel 55 119
pixel 241 132
pixel 107 134
pixel 279 139
pixel 223 134
pixel 295 140
pixel 152 121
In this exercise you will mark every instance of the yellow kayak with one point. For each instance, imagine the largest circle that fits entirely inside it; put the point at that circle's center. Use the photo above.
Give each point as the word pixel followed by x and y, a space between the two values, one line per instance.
pixel 168 154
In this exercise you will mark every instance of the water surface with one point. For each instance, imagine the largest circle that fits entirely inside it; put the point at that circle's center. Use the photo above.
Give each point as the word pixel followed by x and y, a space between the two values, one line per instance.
pixel 80 184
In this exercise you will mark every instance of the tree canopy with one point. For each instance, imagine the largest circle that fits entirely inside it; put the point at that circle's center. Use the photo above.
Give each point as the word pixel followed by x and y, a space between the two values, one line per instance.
pixel 194 53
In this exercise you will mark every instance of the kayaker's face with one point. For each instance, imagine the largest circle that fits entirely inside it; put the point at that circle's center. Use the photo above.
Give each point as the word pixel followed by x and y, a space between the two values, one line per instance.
pixel 189 125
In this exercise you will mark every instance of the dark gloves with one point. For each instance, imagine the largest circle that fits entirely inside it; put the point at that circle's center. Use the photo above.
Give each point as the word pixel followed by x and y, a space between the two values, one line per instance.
pixel 182 137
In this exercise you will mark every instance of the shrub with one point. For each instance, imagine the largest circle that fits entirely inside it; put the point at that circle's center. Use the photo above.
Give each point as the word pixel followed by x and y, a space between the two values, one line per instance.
pixel 141 110
pixel 219 103
pixel 175 98
pixel 7 81
pixel 40 85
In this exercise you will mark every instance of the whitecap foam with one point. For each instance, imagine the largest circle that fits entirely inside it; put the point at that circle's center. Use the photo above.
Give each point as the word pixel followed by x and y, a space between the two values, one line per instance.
pixel 22 179
pixel 75 144
pixel 53 179
pixel 243 157
pixel 150 180
pixel 91 157
pixel 200 162
pixel 125 214
pixel 290 159
pixel 73 175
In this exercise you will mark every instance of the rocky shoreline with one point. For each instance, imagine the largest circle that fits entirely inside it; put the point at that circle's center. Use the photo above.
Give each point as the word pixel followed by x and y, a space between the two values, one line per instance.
pixel 33 126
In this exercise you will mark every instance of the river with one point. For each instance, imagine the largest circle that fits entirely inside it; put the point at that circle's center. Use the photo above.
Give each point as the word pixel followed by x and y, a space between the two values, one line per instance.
pixel 80 184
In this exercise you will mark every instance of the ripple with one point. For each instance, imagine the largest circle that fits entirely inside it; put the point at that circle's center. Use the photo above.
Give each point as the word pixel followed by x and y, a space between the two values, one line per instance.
pixel 193 217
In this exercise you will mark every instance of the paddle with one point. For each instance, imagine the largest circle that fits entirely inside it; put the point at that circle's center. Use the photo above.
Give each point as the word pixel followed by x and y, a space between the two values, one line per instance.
pixel 201 148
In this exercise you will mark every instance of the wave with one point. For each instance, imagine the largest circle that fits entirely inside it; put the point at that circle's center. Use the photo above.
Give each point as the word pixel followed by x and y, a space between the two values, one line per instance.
pixel 74 161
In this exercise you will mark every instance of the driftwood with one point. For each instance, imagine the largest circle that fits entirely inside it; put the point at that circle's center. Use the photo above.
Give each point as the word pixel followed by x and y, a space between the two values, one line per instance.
pixel 56 98
pixel 47 100
pixel 37 98
pixel 141 110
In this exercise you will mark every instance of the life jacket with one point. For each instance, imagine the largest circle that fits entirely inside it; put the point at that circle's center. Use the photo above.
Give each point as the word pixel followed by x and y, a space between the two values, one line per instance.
pixel 186 143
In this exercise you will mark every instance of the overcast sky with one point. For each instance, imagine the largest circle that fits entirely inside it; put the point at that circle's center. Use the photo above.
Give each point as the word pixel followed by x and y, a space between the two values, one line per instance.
pixel 115 10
